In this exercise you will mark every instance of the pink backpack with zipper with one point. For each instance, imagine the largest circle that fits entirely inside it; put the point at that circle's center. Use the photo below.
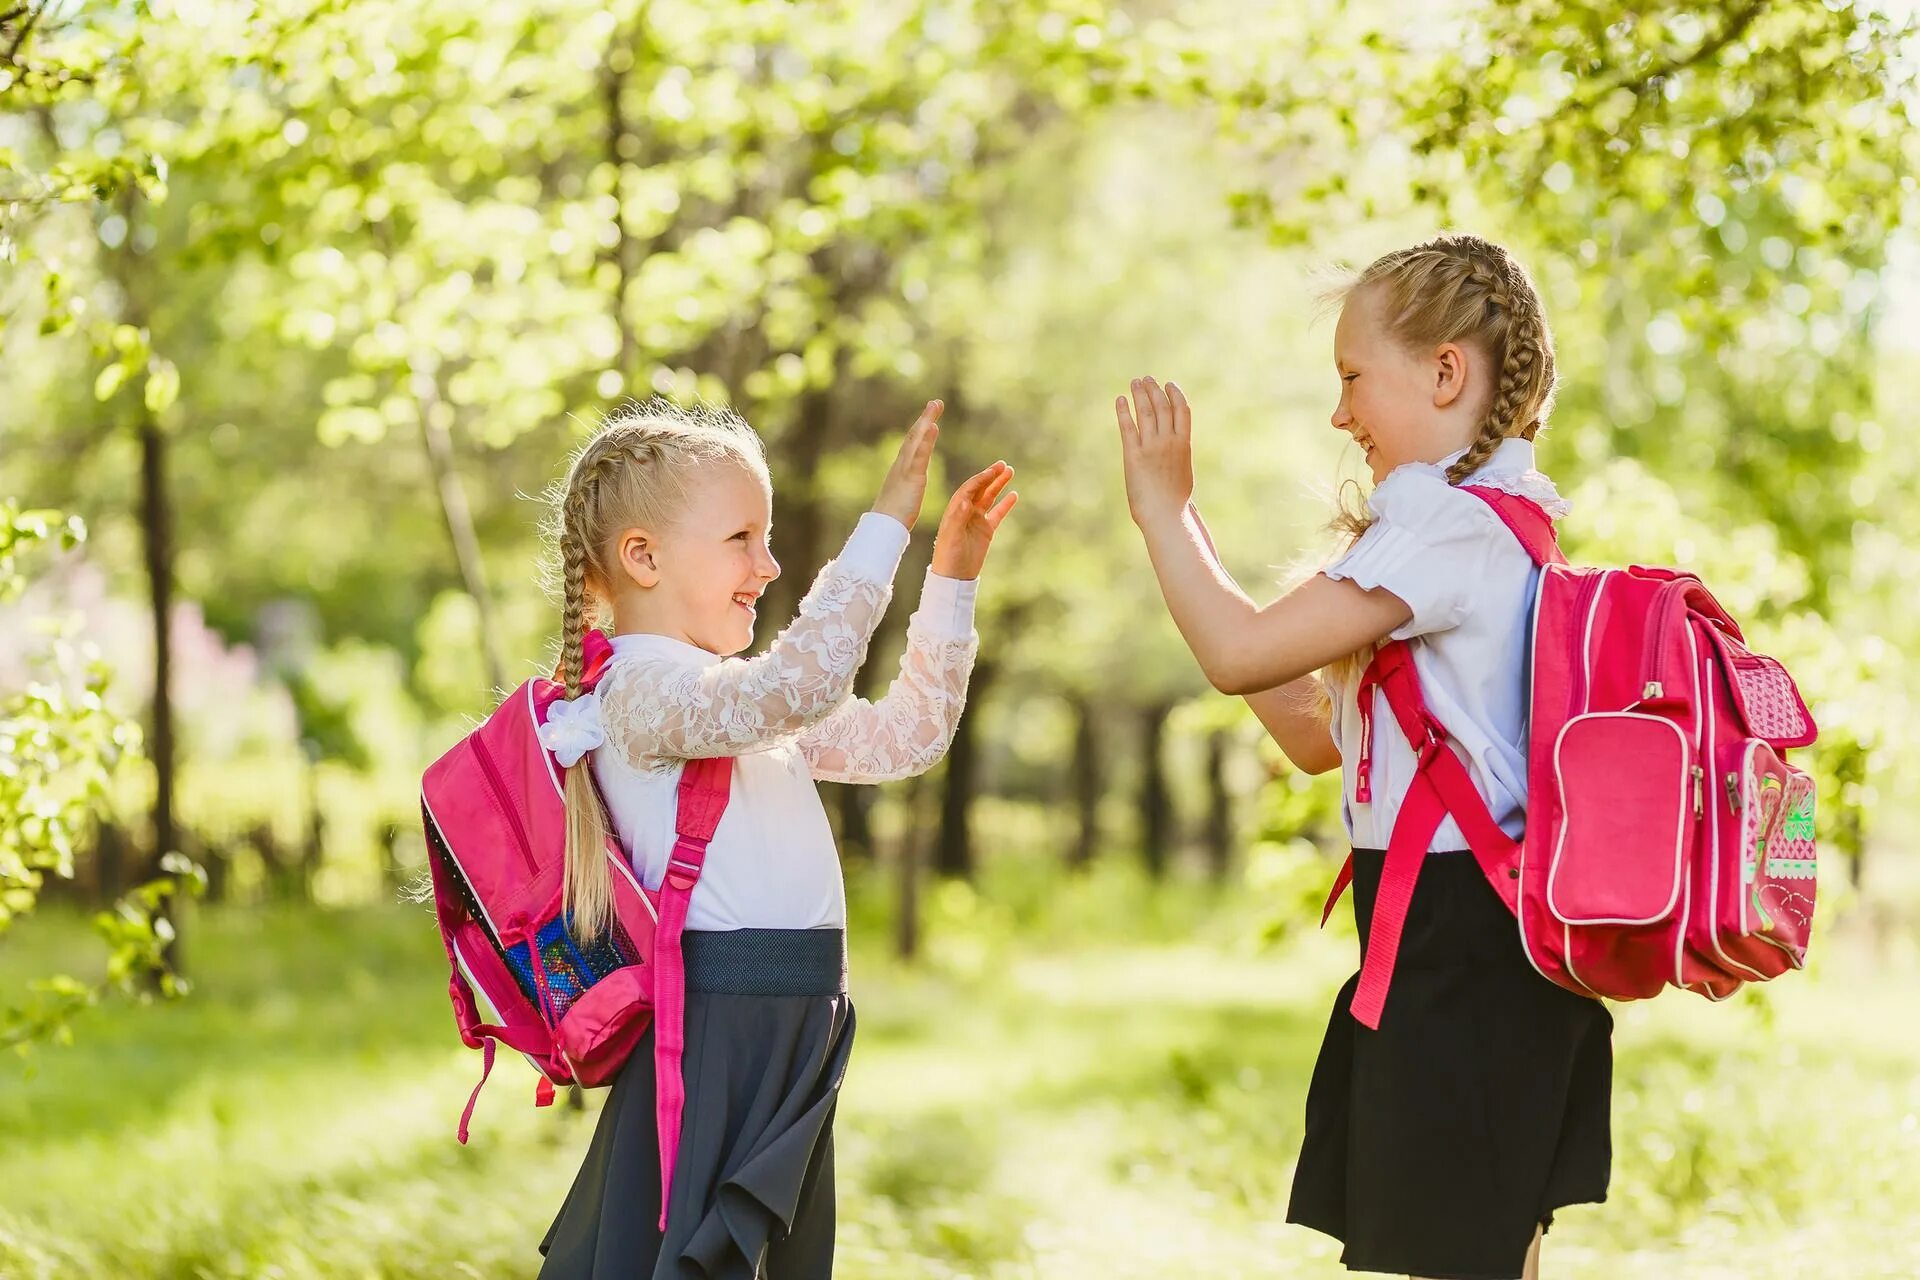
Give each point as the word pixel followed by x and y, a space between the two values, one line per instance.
pixel 1668 841
pixel 496 838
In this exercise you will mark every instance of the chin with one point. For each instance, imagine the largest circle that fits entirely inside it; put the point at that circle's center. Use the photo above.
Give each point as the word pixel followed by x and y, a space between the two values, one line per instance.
pixel 737 642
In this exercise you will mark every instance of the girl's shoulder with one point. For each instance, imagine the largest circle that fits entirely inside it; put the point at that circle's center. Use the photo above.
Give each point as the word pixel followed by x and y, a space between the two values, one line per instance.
pixel 1417 494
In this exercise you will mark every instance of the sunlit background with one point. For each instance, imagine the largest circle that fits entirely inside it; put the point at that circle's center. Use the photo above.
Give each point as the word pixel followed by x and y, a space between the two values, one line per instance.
pixel 303 304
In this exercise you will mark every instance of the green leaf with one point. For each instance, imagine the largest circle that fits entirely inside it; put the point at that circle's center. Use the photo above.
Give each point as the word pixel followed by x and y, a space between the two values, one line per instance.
pixel 163 385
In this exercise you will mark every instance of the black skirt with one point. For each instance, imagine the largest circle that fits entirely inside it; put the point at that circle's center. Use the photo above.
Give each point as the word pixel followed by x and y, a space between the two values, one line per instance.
pixel 769 1029
pixel 1436 1145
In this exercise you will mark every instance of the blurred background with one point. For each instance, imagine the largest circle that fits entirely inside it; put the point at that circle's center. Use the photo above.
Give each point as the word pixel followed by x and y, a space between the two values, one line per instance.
pixel 304 302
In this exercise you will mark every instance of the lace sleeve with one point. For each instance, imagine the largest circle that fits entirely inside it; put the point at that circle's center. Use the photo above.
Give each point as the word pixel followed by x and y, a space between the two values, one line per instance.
pixel 909 729
pixel 657 708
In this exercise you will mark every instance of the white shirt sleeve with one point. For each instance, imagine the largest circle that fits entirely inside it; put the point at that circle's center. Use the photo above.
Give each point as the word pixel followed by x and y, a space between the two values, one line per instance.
pixel 654 707
pixel 910 728
pixel 1428 546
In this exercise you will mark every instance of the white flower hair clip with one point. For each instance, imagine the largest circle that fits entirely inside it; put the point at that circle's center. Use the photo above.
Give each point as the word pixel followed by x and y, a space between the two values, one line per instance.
pixel 572 728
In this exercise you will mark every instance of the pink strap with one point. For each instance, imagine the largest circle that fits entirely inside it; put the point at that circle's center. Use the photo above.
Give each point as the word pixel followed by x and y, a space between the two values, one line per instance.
pixel 486 1069
pixel 704 788
pixel 1441 784
pixel 1528 521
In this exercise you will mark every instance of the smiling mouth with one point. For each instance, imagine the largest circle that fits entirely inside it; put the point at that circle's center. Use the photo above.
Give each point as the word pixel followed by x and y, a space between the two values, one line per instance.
pixel 744 600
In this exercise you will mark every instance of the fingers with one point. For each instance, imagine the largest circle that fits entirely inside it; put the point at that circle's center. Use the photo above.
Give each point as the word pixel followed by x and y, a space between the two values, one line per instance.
pixel 1143 410
pixel 1156 409
pixel 1000 509
pixel 977 483
pixel 1162 407
pixel 1000 475
pixel 1129 433
pixel 1182 411
pixel 917 449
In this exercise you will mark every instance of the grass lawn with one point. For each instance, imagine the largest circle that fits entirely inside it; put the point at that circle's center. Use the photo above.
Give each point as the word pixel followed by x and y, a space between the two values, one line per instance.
pixel 1075 1109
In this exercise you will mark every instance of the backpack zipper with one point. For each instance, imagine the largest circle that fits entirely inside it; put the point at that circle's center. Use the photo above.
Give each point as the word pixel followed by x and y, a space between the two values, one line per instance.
pixel 503 801
pixel 1582 607
pixel 1658 625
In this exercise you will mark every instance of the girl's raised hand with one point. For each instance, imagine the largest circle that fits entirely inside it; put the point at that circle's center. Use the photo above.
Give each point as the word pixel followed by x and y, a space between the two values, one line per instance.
pixel 905 487
pixel 1156 450
pixel 972 516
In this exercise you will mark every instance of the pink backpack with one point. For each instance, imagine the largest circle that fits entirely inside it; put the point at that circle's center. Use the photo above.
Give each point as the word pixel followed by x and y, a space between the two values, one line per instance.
pixel 1668 841
pixel 496 838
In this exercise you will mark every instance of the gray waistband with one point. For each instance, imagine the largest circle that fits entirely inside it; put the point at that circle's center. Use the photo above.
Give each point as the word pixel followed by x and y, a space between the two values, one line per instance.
pixel 766 962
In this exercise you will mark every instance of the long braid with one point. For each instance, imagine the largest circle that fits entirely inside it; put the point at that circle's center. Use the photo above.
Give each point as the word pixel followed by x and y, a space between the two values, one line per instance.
pixel 1525 360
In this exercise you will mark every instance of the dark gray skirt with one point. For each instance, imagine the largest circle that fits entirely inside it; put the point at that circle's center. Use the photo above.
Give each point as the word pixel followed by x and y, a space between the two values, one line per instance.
pixel 769 1029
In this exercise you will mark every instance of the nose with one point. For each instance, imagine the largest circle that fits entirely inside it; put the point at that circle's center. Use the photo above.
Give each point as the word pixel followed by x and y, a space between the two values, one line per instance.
pixel 1341 419
pixel 768 568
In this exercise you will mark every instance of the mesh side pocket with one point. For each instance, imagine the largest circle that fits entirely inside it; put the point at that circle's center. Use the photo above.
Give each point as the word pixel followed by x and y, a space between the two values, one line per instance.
pixel 571 968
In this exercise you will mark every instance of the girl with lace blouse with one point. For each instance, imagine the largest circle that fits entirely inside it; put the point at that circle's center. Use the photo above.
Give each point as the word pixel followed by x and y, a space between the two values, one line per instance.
pixel 663 526
pixel 1440 1143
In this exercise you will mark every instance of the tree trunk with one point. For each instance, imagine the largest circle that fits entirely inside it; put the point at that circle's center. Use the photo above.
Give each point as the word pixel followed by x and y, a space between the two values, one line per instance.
pixel 623 150
pixel 906 938
pixel 796 510
pixel 953 856
pixel 1156 802
pixel 1086 783
pixel 312 847
pixel 853 802
pixel 156 522
pixel 109 863
pixel 1219 806
pixel 425 382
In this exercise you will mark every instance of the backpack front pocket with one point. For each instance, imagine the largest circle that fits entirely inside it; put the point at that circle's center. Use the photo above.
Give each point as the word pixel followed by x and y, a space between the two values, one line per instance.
pixel 1625 781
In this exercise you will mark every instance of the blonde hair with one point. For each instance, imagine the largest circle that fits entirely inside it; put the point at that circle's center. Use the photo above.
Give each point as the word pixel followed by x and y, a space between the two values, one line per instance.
pixel 1460 288
pixel 635 470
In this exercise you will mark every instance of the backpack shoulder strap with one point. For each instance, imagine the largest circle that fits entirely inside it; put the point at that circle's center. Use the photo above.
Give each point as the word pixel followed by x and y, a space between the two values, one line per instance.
pixel 1528 521
pixel 704 789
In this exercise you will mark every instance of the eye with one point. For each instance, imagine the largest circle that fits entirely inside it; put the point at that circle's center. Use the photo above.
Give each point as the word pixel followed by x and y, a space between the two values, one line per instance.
pixel 1349 377
pixel 744 533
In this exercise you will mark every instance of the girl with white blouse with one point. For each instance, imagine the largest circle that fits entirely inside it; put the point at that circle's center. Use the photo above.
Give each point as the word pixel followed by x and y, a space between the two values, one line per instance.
pixel 664 527
pixel 1445 1126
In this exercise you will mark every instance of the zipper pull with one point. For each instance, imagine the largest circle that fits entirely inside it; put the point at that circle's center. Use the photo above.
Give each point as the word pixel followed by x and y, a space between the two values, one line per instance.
pixel 1699 792
pixel 1653 690
pixel 1733 792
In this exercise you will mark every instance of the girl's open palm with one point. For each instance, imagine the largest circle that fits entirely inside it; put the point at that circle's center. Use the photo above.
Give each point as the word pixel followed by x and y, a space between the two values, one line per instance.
pixel 972 517
pixel 905 485
pixel 1156 450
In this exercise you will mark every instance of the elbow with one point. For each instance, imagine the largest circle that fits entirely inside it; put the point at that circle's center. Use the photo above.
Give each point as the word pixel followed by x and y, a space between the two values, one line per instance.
pixel 1233 680
pixel 1232 687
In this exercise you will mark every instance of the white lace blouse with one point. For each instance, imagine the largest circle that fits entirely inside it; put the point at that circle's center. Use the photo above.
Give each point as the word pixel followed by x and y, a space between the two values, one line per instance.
pixel 1471 586
pixel 790 718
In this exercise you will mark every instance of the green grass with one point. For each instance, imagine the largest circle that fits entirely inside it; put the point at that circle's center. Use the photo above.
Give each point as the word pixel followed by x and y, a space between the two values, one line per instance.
pixel 1064 1108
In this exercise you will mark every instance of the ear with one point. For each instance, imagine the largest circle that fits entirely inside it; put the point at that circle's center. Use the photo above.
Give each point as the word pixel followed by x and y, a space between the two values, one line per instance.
pixel 637 552
pixel 1451 365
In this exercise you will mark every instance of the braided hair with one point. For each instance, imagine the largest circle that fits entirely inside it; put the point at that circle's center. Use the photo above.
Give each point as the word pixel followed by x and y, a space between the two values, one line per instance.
pixel 634 470
pixel 1461 288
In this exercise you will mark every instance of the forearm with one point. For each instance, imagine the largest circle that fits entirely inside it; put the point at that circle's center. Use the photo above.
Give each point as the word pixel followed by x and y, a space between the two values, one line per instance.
pixel 1298 724
pixel 1244 648
pixel 1207 606
pixel 909 728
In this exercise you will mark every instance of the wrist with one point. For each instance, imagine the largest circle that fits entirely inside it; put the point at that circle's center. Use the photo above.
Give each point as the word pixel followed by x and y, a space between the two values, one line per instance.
pixel 892 513
pixel 959 573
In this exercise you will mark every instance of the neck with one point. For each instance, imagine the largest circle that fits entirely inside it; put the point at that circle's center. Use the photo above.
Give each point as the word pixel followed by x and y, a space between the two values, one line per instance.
pixel 632 615
pixel 1447 440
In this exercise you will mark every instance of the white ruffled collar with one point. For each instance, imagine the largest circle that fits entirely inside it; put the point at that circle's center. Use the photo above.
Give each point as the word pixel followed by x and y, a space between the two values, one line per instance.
pixel 1511 470
pixel 632 642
